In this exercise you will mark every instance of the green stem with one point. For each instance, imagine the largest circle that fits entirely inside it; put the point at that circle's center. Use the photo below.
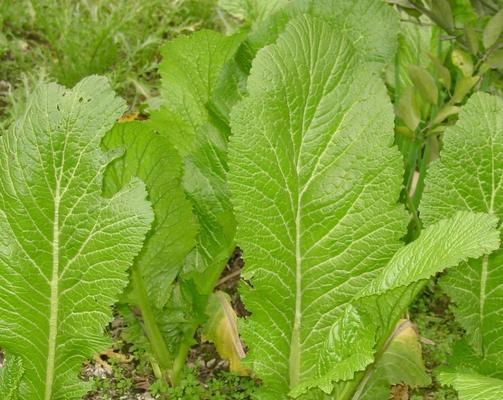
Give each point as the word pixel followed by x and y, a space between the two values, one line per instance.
pixel 159 348
pixel 179 363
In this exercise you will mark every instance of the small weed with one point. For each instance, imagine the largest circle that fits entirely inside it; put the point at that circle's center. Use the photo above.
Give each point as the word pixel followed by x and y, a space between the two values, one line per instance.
pixel 223 386
pixel 436 323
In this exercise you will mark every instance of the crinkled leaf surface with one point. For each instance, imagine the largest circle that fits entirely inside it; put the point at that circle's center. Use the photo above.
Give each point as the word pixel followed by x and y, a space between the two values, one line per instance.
pixel 11 374
pixel 64 249
pixel 440 246
pixel 315 182
pixel 469 176
pixel 151 157
pixel 189 73
pixel 473 386
pixel 372 24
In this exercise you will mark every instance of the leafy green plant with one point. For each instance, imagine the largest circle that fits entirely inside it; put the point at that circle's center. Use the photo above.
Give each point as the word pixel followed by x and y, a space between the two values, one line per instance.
pixel 64 248
pixel 172 313
pixel 152 158
pixel 475 287
pixel 285 131
pixel 314 183
pixel 436 68
pixel 224 386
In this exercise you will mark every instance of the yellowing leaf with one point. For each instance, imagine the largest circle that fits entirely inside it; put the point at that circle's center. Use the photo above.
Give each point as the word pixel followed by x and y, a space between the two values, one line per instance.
pixel 403 361
pixel 400 364
pixel 424 82
pixel 129 117
pixel 221 329
pixel 463 61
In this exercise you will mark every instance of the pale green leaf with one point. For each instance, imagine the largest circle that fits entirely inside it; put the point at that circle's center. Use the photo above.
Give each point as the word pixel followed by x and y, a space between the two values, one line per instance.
pixel 372 24
pixel 189 71
pixel 495 60
pixel 62 243
pixel 493 29
pixel 469 177
pixel 424 83
pixel 445 113
pixel 463 61
pixel 463 87
pixel 473 386
pixel 407 109
pixel 472 39
pixel 443 13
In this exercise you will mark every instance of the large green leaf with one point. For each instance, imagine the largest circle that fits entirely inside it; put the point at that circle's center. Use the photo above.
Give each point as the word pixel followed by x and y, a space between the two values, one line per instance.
pixel 282 155
pixel 315 184
pixel 189 72
pixel 64 249
pixel 372 24
pixel 151 157
pixel 469 176
pixel 442 245
pixel 472 386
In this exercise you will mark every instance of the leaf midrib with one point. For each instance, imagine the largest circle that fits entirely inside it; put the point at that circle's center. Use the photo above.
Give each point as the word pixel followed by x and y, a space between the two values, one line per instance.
pixel 54 299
